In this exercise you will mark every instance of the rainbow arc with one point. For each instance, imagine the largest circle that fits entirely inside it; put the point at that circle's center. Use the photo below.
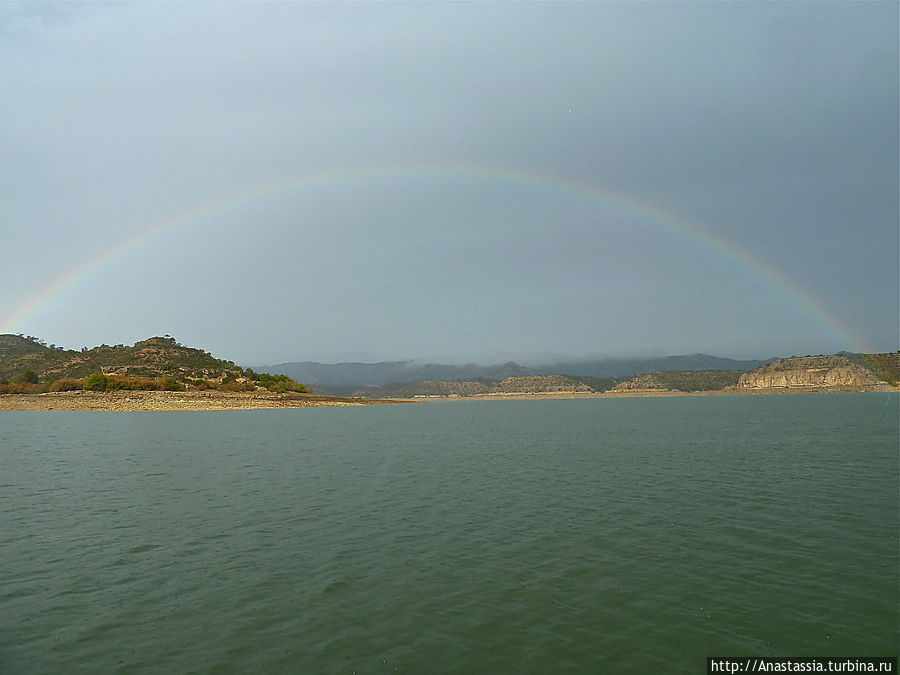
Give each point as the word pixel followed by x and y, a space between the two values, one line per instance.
pixel 776 282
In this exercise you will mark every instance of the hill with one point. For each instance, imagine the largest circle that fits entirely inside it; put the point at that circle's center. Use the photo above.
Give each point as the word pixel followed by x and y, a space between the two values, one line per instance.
pixel 681 380
pixel 885 367
pixel 154 363
pixel 154 357
pixel 855 371
pixel 621 368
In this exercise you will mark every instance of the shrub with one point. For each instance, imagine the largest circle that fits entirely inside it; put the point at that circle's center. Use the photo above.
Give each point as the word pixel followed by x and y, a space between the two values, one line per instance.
pixel 142 383
pixel 18 388
pixel 114 382
pixel 95 382
pixel 66 384
pixel 169 383
pixel 237 386
pixel 281 383
pixel 30 377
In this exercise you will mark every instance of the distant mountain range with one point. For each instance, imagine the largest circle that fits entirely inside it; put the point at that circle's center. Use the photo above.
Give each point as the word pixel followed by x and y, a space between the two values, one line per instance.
pixel 338 377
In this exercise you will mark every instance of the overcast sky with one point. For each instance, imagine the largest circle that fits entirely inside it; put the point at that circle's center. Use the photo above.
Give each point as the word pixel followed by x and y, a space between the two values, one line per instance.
pixel 770 127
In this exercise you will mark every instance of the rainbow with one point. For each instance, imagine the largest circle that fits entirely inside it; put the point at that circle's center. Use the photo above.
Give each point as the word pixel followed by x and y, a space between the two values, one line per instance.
pixel 775 281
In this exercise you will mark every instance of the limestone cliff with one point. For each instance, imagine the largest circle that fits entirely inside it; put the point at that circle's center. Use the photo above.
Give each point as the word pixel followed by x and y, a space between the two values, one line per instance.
pixel 810 372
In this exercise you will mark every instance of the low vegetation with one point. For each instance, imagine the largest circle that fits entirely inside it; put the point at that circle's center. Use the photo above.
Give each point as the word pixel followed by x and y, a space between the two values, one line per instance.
pixel 103 382
pixel 884 366
pixel 596 384
pixel 697 380
pixel 276 382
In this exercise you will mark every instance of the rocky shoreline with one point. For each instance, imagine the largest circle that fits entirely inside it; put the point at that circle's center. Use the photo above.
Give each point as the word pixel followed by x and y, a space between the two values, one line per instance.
pixel 131 401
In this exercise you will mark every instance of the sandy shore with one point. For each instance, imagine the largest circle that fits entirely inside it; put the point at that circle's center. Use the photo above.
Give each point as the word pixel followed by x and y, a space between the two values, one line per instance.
pixel 128 401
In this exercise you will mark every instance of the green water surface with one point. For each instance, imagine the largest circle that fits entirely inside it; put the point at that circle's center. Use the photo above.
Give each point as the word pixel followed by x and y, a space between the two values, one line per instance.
pixel 626 535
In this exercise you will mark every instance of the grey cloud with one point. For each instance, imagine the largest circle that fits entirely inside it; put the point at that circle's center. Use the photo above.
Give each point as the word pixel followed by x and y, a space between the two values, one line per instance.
pixel 772 126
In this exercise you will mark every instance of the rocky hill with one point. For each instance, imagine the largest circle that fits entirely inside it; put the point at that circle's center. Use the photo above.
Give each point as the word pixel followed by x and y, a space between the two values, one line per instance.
pixel 816 372
pixel 29 365
pixel 680 380
pixel 154 357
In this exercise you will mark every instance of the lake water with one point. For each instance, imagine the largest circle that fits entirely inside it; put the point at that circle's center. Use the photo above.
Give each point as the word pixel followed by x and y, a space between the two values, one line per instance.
pixel 624 535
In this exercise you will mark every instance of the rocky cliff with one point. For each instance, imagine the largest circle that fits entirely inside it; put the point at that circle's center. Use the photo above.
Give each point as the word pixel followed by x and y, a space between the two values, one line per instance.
pixel 810 372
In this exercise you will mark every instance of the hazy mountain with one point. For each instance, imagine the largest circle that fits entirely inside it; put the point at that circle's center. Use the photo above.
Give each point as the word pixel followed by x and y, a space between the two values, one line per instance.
pixel 323 376
pixel 391 372
pixel 628 367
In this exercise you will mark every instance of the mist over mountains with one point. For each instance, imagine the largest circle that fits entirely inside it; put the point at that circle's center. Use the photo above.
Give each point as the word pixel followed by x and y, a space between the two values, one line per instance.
pixel 323 376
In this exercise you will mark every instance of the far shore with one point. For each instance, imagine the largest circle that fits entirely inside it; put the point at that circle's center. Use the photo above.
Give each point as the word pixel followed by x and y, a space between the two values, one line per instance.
pixel 133 401
pixel 659 393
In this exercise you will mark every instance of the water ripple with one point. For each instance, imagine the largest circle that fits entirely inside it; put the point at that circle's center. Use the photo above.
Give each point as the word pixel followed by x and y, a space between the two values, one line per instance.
pixel 532 537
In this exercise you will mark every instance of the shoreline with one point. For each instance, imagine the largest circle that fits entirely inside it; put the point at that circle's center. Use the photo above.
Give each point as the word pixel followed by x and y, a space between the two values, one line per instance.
pixel 150 401
pixel 139 401
pixel 660 393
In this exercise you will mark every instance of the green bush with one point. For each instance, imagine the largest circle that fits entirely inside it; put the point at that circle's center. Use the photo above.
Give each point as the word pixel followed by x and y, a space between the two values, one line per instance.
pixel 281 383
pixel 95 382
pixel 30 377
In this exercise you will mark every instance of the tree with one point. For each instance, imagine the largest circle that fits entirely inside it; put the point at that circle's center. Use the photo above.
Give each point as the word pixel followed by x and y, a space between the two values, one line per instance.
pixel 30 377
